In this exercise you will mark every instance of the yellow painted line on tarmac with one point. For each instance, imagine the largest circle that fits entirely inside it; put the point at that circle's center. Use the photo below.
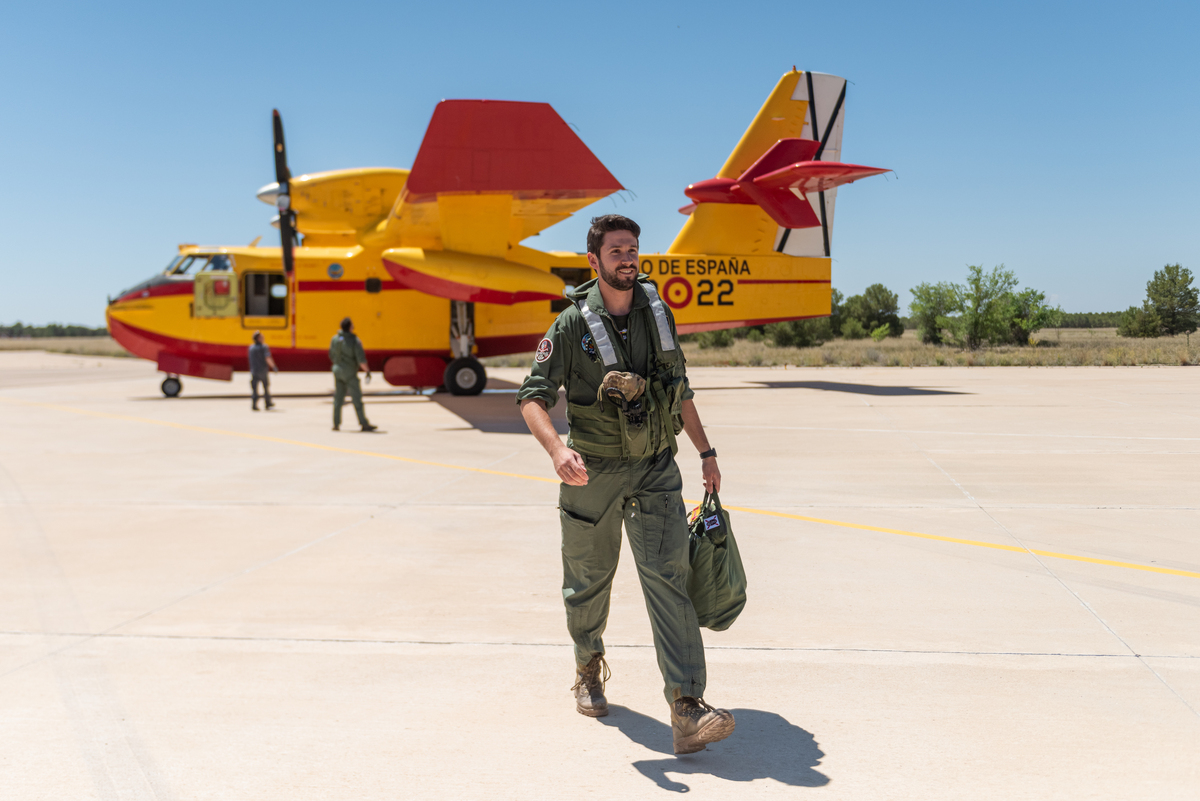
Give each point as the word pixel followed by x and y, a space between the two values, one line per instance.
pixel 749 510
pixel 977 543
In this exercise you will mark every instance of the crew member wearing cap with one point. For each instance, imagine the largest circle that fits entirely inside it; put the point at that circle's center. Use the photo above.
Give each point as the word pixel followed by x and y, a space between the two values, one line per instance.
pixel 617 353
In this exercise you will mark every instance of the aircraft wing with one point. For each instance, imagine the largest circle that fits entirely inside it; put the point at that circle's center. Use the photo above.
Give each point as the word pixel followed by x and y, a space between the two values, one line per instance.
pixel 491 173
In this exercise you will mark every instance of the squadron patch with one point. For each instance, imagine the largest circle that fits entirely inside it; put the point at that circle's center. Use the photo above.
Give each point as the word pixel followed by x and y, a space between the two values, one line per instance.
pixel 544 349
pixel 589 347
pixel 712 522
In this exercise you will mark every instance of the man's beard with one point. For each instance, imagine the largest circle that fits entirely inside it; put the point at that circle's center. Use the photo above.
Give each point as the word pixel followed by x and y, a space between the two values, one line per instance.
pixel 620 284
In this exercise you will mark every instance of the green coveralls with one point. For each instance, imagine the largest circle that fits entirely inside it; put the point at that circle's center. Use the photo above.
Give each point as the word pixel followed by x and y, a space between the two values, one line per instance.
pixel 632 476
pixel 346 353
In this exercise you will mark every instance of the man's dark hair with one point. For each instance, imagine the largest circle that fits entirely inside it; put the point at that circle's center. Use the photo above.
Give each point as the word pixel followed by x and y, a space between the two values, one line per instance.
pixel 346 325
pixel 605 223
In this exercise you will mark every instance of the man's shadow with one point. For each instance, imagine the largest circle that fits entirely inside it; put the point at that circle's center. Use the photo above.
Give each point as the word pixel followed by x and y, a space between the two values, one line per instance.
pixel 763 746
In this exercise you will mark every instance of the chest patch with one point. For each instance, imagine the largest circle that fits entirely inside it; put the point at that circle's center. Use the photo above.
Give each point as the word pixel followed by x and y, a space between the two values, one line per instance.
pixel 544 349
pixel 589 347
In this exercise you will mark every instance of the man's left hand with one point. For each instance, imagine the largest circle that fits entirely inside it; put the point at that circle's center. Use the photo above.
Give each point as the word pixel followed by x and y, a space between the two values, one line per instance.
pixel 711 474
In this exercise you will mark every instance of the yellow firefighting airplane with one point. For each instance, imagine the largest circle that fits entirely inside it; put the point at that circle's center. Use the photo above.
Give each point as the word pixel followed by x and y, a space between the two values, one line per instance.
pixel 429 262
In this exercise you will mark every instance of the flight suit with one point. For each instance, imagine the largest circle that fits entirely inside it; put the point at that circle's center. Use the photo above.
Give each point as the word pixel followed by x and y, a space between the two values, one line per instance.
pixel 346 353
pixel 632 476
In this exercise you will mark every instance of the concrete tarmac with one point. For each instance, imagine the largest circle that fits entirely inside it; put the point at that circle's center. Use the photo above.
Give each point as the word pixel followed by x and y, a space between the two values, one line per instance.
pixel 964 583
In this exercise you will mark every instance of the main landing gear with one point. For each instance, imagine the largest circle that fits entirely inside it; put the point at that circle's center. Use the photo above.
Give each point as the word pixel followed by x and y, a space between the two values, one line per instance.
pixel 172 386
pixel 464 375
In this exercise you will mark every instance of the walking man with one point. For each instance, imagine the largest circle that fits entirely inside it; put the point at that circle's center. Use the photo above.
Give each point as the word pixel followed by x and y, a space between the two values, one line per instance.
pixel 259 356
pixel 346 353
pixel 617 353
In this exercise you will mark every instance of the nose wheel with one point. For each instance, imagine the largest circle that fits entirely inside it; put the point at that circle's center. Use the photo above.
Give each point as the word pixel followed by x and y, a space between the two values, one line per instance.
pixel 172 386
pixel 464 376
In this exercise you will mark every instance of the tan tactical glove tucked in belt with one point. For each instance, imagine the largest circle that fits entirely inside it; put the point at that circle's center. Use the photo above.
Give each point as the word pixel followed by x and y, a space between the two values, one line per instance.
pixel 621 388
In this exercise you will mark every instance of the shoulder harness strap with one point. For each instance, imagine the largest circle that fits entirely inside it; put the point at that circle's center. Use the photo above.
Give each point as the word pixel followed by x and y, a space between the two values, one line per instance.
pixel 599 334
pixel 665 340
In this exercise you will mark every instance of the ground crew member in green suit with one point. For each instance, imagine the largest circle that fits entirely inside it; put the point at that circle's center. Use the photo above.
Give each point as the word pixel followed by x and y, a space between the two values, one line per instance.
pixel 346 353
pixel 616 351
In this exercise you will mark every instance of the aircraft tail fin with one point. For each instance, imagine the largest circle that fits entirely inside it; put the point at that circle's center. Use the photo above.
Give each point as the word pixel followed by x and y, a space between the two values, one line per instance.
pixel 776 191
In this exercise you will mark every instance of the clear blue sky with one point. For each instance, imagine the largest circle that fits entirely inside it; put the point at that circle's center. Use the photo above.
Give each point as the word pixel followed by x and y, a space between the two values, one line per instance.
pixel 1060 139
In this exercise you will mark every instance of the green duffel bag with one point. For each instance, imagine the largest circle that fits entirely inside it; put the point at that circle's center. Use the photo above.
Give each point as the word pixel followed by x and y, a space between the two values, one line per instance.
pixel 717 582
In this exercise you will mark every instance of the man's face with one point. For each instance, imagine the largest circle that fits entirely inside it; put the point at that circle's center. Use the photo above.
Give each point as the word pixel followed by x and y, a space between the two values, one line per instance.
pixel 618 262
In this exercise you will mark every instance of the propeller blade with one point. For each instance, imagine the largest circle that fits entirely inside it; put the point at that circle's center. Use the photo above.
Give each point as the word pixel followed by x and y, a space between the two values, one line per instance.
pixel 283 199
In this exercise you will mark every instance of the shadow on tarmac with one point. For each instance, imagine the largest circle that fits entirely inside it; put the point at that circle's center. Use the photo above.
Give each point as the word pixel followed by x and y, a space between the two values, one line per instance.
pixel 834 386
pixel 763 746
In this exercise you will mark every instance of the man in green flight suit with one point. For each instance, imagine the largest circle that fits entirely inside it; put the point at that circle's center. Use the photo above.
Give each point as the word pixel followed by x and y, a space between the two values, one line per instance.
pixel 346 353
pixel 617 353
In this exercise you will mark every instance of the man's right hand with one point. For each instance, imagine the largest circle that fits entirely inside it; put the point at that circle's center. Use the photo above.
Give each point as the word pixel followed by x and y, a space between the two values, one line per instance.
pixel 570 467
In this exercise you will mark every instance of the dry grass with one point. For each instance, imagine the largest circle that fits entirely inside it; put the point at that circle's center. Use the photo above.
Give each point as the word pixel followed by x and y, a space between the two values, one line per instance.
pixel 1062 347
pixel 83 346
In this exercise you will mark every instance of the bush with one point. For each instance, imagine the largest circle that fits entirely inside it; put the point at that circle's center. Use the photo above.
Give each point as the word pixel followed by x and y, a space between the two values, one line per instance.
pixel 1141 323
pixel 853 329
pixel 755 335
pixel 1028 313
pixel 715 339
pixel 800 333
pixel 881 333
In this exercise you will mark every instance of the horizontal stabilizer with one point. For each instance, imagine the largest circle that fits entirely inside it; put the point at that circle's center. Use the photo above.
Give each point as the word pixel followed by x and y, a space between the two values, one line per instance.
pixel 815 176
pixel 474 279
pixel 778 182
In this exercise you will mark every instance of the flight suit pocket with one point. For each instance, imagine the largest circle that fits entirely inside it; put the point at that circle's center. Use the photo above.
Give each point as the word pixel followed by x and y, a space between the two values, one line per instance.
pixel 653 511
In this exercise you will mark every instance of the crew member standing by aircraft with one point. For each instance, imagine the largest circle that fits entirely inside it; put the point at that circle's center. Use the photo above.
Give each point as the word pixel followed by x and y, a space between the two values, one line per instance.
pixel 346 353
pixel 259 356
pixel 616 351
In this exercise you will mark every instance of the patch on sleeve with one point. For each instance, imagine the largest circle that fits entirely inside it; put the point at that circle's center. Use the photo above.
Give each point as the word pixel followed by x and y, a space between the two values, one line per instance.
pixel 589 347
pixel 544 349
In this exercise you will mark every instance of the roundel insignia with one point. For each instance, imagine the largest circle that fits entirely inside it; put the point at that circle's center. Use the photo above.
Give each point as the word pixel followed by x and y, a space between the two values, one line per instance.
pixel 677 292
pixel 335 271
pixel 544 349
pixel 589 347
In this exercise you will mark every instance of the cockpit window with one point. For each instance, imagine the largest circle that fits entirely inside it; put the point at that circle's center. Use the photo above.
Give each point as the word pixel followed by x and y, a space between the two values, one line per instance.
pixel 173 265
pixel 192 264
pixel 219 262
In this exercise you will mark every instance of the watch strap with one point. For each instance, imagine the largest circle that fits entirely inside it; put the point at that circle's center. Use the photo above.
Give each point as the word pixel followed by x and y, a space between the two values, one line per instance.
pixel 708 453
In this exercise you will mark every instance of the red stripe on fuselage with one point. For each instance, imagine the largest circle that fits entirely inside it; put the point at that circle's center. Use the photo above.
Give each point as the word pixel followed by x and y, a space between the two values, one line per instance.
pixel 347 286
pixel 149 344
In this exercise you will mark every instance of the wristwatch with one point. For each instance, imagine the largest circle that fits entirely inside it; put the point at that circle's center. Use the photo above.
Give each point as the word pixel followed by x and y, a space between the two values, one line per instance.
pixel 708 453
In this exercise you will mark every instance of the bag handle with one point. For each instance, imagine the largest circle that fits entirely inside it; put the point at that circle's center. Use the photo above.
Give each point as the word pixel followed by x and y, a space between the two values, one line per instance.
pixel 716 500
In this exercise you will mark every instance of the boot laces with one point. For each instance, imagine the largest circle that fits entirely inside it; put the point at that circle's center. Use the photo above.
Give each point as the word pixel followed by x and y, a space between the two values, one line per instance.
pixel 593 675
pixel 694 708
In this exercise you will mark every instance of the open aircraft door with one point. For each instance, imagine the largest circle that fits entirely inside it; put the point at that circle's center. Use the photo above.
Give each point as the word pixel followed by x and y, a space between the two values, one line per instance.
pixel 265 300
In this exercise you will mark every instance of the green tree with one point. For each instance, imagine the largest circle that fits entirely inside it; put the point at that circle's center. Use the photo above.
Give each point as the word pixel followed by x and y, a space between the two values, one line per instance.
pixel 1028 313
pixel 930 303
pixel 836 312
pixel 853 329
pixel 876 306
pixel 1143 322
pixel 1174 298
pixel 982 305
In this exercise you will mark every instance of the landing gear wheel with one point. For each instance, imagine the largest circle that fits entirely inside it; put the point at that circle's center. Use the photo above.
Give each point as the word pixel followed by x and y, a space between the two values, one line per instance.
pixel 172 386
pixel 464 376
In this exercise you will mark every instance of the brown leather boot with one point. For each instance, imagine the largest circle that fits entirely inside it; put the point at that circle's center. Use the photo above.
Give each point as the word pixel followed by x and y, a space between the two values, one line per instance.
pixel 695 724
pixel 589 688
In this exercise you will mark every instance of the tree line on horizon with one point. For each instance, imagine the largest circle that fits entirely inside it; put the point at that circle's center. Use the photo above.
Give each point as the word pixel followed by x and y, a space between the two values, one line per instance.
pixel 987 309
pixel 19 330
